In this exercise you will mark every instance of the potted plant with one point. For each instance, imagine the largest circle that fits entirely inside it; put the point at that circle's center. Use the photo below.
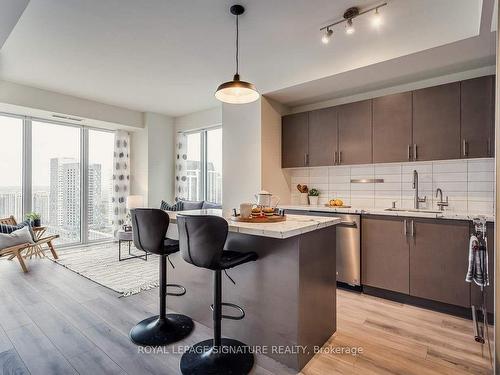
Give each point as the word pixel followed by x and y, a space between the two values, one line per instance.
pixel 34 218
pixel 313 197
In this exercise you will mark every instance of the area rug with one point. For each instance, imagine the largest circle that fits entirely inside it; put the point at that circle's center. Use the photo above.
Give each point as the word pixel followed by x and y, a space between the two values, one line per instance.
pixel 100 264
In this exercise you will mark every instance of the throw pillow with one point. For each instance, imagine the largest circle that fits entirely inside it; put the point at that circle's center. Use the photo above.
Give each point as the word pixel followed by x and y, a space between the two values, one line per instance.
pixel 7 229
pixel 17 237
pixel 171 207
pixel 191 205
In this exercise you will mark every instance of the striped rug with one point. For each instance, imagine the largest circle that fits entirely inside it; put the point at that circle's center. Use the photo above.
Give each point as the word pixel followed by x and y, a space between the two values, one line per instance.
pixel 100 264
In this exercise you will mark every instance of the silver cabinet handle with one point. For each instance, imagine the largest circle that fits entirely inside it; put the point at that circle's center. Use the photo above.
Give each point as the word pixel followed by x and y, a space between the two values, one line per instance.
pixel 340 157
pixel 415 152
pixel 412 233
pixel 464 147
pixel 409 152
pixel 305 160
pixel 348 224
pixel 488 146
pixel 334 157
pixel 404 228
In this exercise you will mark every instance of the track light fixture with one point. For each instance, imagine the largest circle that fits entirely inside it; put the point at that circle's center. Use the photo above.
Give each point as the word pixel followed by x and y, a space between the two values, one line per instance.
pixel 348 17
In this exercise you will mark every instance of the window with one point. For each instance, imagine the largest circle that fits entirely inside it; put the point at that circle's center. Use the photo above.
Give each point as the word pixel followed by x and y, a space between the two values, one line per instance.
pixel 56 178
pixel 193 167
pixel 42 164
pixel 214 166
pixel 99 181
pixel 11 167
pixel 204 165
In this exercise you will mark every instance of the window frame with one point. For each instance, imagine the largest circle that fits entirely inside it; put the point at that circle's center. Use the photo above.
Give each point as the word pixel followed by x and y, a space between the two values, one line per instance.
pixel 203 156
pixel 26 189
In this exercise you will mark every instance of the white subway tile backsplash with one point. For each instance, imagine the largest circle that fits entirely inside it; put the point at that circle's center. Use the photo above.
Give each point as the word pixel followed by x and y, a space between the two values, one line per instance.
pixel 481 186
pixel 469 184
pixel 481 176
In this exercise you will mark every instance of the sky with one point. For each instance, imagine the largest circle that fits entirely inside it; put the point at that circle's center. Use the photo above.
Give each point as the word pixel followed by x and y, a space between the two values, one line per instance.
pixel 49 141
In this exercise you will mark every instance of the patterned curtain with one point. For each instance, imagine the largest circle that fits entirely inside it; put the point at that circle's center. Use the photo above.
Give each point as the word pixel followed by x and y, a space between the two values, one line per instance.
pixel 121 178
pixel 180 167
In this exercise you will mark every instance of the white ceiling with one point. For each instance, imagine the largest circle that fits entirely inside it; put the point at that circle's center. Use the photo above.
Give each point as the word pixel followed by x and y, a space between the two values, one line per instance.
pixel 168 56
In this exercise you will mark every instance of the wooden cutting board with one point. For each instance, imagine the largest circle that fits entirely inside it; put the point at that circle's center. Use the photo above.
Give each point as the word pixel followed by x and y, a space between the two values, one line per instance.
pixel 259 219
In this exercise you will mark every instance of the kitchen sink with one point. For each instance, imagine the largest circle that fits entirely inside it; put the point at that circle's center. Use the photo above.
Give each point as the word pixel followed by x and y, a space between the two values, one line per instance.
pixel 414 210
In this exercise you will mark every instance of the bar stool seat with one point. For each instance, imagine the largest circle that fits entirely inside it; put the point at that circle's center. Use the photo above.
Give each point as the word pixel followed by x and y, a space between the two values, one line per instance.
pixel 201 241
pixel 230 259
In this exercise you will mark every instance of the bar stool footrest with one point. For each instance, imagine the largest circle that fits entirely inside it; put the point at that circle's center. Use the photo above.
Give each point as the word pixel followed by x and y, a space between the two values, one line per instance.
pixel 231 317
pixel 178 294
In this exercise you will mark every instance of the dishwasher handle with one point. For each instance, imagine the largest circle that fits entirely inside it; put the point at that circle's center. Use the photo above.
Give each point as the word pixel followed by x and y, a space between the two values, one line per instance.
pixel 348 224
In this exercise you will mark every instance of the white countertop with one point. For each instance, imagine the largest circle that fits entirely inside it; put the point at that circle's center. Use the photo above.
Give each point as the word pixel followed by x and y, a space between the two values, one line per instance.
pixel 293 226
pixel 378 211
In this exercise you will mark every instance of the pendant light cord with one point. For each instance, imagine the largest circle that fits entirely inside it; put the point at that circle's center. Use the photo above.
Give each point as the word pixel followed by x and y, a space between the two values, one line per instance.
pixel 237 45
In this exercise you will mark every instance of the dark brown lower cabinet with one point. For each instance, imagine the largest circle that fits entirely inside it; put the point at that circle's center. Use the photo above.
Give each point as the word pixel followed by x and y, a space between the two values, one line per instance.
pixel 385 253
pixel 475 293
pixel 439 260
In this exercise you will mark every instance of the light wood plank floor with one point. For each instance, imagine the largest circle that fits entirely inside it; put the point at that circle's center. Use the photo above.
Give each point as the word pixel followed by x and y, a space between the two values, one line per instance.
pixel 53 321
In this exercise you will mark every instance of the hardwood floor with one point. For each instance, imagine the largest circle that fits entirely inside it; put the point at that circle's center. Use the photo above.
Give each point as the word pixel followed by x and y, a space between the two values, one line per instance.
pixel 53 321
pixel 399 339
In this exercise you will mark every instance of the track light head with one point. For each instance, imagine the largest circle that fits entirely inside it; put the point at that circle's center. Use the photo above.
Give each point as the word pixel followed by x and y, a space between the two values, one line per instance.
pixel 326 37
pixel 349 27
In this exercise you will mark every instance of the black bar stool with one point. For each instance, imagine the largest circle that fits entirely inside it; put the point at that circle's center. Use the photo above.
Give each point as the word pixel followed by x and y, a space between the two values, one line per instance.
pixel 149 230
pixel 201 240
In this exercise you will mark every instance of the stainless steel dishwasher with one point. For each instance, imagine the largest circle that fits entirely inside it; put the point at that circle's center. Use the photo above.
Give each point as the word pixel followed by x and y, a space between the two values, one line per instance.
pixel 348 245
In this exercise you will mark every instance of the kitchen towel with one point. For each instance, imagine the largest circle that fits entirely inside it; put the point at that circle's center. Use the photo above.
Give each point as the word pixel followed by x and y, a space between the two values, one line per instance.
pixel 478 262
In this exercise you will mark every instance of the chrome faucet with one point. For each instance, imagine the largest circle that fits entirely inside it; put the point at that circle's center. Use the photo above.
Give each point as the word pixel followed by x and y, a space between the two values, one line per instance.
pixel 417 200
pixel 441 204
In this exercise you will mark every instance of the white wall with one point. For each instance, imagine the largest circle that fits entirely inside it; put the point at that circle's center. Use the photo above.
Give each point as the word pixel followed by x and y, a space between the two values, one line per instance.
pixel 30 101
pixel 241 153
pixel 274 179
pixel 152 160
pixel 199 120
pixel 468 74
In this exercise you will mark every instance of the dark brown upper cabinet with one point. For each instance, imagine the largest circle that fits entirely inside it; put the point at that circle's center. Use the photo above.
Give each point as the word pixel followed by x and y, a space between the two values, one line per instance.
pixel 439 260
pixel 436 122
pixel 477 117
pixel 294 138
pixel 355 133
pixel 385 253
pixel 392 128
pixel 323 137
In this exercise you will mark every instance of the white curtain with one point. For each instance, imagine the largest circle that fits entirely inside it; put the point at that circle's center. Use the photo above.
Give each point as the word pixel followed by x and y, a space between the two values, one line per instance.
pixel 181 166
pixel 121 178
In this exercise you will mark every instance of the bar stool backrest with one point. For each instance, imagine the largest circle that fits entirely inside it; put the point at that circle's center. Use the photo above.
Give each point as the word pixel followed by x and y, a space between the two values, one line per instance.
pixel 202 239
pixel 149 227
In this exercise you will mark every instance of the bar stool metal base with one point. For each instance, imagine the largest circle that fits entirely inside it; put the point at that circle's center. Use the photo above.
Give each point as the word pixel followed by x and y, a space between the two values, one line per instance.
pixel 154 331
pixel 231 358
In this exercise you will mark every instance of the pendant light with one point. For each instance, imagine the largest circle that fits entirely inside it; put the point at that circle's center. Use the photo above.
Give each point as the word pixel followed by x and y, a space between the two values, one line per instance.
pixel 236 91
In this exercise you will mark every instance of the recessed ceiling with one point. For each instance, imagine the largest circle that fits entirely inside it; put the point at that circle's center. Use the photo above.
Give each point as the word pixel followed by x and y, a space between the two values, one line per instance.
pixel 169 56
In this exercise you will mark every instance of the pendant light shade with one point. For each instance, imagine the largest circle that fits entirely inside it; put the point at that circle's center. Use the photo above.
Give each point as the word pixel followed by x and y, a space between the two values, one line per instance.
pixel 236 91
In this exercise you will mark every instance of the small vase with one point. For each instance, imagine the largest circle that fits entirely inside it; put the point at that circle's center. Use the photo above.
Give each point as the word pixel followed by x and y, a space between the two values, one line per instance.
pixel 303 199
pixel 313 200
pixel 37 223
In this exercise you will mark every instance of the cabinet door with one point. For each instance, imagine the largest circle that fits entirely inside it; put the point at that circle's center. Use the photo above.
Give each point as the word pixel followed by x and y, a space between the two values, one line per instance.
pixel 476 297
pixel 392 128
pixel 436 122
pixel 385 253
pixel 355 133
pixel 322 136
pixel 439 260
pixel 294 140
pixel 477 116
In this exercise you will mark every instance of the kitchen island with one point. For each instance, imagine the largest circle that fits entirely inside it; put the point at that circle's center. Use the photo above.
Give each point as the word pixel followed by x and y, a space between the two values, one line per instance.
pixel 288 294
